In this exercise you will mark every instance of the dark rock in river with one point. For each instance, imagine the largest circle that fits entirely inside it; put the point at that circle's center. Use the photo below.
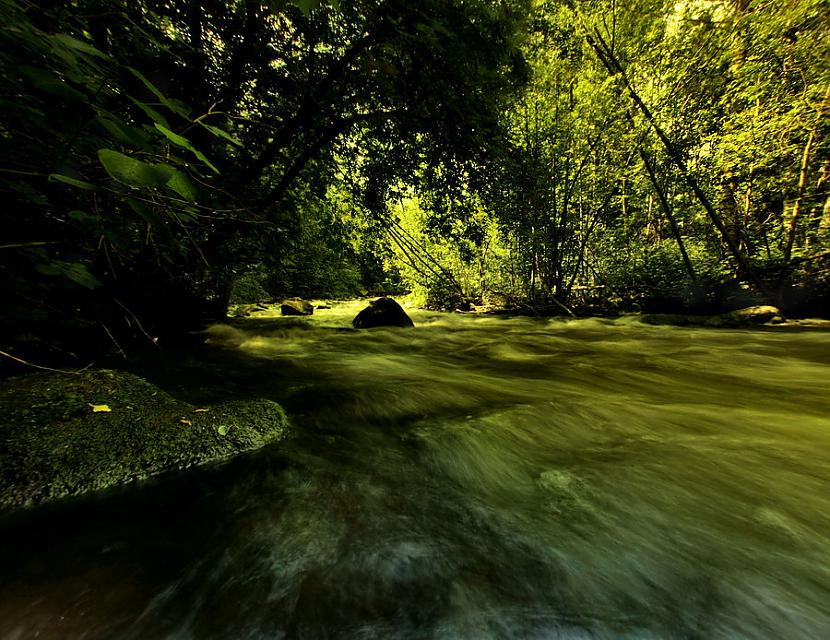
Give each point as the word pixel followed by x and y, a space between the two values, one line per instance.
pixel 383 312
pixel 65 435
pixel 296 307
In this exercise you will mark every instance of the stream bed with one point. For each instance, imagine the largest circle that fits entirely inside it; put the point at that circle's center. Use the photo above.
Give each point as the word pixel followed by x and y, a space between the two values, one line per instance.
pixel 476 477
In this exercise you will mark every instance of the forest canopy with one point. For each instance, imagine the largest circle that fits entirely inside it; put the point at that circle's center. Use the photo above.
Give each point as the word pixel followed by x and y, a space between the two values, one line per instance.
pixel 164 160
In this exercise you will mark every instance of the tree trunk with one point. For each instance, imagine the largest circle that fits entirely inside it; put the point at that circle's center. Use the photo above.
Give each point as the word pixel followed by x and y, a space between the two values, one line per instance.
pixel 615 68
pixel 792 223
pixel 664 204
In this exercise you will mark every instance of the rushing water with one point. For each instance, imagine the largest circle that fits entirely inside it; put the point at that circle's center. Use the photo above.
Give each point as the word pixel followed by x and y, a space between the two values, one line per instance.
pixel 476 477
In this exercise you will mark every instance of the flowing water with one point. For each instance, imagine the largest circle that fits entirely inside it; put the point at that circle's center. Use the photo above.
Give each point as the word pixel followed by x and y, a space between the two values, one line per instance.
pixel 476 477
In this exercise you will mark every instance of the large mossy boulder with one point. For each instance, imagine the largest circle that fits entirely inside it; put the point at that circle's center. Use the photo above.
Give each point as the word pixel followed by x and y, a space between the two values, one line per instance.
pixel 296 307
pixel 747 317
pixel 383 312
pixel 65 435
pixel 759 314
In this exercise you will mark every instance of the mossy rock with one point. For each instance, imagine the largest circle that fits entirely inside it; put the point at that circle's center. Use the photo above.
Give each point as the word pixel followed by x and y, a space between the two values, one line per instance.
pixel 747 317
pixel 64 435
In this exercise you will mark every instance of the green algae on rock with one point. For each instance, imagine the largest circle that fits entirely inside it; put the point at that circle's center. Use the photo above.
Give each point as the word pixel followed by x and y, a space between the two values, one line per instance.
pixel 64 435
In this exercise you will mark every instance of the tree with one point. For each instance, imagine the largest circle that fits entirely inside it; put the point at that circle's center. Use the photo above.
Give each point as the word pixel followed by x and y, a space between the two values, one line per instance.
pixel 146 143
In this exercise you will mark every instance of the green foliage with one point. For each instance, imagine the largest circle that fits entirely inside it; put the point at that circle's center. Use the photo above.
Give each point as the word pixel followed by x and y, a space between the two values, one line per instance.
pixel 134 173
pixel 153 152
pixel 742 95
pixel 247 289
pixel 444 263
pixel 184 143
pixel 325 250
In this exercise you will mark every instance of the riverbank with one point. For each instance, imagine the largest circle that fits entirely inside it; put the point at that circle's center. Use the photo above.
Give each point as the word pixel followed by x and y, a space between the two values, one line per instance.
pixel 328 309
pixel 64 435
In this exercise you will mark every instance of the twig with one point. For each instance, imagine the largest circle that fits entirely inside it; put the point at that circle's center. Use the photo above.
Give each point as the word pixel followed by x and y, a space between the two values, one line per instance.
pixel 137 321
pixel 24 173
pixel 37 366
pixel 21 245
pixel 114 341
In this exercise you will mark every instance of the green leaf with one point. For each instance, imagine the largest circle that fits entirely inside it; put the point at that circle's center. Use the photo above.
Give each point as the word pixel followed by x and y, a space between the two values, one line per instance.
pixel 175 106
pixel 50 83
pixel 132 172
pixel 222 430
pixel 80 216
pixel 182 185
pixel 154 115
pixel 147 214
pixel 78 45
pixel 306 6
pixel 75 271
pixel 79 274
pixel 123 132
pixel 27 191
pixel 186 215
pixel 80 184
pixel 221 133
pixel 49 268
pixel 116 238
pixel 184 143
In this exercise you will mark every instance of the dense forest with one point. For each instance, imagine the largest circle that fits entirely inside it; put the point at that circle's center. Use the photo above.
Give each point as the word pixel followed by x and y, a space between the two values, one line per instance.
pixel 164 160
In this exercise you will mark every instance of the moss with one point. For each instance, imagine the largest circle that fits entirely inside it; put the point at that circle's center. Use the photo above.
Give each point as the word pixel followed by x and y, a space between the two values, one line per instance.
pixel 747 317
pixel 53 445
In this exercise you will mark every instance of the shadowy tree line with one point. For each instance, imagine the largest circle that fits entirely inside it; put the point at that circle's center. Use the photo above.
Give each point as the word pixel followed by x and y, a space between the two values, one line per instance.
pixel 153 152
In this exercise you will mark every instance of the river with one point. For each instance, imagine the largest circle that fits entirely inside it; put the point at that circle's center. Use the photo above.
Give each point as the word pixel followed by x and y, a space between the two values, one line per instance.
pixel 475 477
